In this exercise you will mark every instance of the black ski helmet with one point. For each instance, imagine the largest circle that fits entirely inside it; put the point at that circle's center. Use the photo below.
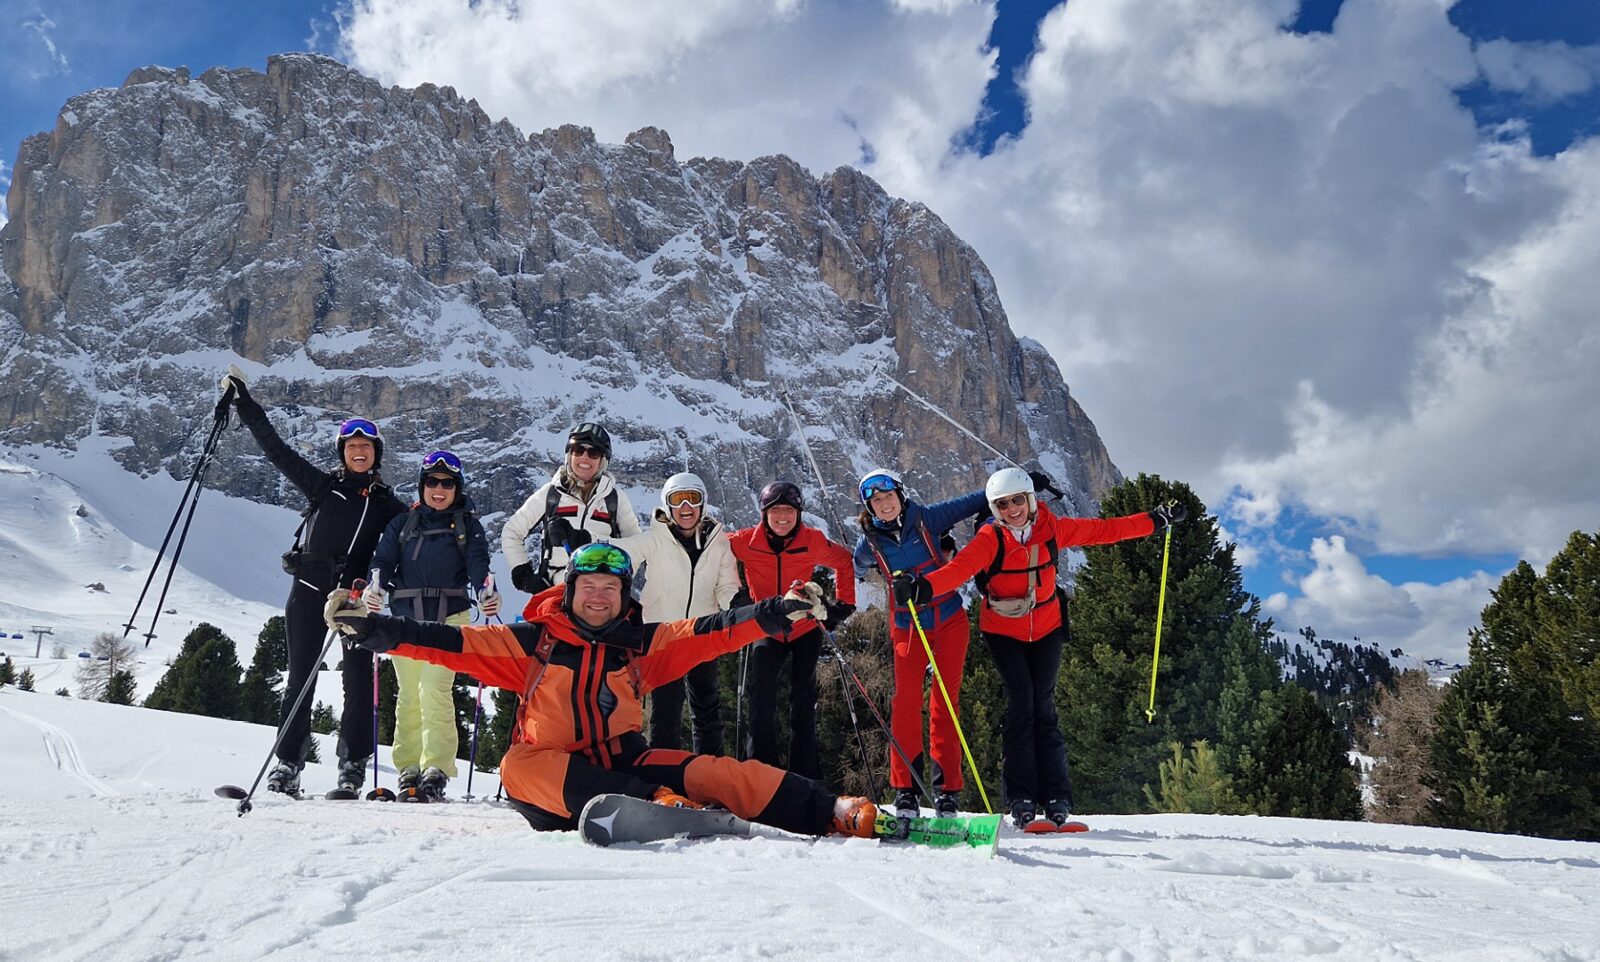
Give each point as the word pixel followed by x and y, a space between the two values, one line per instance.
pixel 781 492
pixel 592 434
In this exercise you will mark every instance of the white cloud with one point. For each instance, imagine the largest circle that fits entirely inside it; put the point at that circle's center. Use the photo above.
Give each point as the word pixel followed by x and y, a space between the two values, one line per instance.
pixel 1542 71
pixel 55 61
pixel 5 188
pixel 1290 265
pixel 1342 600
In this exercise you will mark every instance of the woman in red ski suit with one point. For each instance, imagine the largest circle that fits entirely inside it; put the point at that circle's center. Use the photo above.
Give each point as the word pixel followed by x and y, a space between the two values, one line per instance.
pixel 1020 620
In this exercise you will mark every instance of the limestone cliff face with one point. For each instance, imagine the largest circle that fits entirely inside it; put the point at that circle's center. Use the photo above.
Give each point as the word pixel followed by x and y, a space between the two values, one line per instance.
pixel 398 254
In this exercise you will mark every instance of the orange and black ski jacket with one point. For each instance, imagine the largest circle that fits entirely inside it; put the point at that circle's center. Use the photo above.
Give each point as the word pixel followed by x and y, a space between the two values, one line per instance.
pixel 767 570
pixel 1050 535
pixel 578 696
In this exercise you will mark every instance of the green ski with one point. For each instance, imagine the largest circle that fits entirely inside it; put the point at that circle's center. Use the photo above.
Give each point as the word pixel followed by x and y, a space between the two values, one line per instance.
pixel 976 831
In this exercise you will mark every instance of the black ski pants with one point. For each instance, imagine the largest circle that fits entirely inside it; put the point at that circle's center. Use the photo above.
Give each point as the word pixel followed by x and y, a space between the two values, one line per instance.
pixel 705 711
pixel 1033 765
pixel 766 660
pixel 305 634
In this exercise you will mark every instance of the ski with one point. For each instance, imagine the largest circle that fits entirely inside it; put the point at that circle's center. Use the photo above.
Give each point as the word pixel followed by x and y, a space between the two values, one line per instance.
pixel 342 795
pixel 975 831
pixel 609 819
pixel 1043 826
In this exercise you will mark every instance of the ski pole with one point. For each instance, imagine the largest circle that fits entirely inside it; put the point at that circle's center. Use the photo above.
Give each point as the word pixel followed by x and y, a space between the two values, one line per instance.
pixel 377 794
pixel 738 704
pixel 850 706
pixel 949 706
pixel 472 756
pixel 872 706
pixel 177 550
pixel 219 422
pixel 283 729
pixel 1161 607
pixel 962 428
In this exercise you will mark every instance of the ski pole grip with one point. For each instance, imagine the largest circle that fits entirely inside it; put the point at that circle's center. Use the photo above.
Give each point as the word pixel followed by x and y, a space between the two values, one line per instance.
pixel 824 578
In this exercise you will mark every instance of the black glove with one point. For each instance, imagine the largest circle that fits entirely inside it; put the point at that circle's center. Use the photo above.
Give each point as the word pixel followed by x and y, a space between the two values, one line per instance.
pixel 1042 482
pixel 1166 515
pixel 234 381
pixel 741 599
pixel 561 532
pixel 526 579
pixel 837 613
pixel 912 589
pixel 775 615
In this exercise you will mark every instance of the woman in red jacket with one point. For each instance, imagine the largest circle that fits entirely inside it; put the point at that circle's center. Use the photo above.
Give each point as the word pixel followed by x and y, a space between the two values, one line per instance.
pixel 1020 620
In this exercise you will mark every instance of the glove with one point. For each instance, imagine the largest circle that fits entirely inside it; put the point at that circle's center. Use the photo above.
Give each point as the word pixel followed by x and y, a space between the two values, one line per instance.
pixel 561 532
pixel 489 603
pixel 774 615
pixel 1042 482
pixel 1166 515
pixel 350 618
pixel 837 613
pixel 375 597
pixel 234 379
pixel 741 599
pixel 910 589
pixel 526 579
pixel 815 598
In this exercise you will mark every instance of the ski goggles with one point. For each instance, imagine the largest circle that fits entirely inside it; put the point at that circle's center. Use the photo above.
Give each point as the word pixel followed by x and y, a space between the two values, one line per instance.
pixel 678 499
pixel 877 484
pixel 442 461
pixel 599 558
pixel 358 428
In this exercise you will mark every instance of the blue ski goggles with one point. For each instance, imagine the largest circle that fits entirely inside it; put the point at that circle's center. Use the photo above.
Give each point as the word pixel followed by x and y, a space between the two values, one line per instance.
pixel 600 558
pixel 442 461
pixel 877 484
pixel 357 428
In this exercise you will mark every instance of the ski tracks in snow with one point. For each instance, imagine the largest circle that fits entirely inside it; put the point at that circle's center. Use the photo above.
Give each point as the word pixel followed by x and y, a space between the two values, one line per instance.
pixel 63 751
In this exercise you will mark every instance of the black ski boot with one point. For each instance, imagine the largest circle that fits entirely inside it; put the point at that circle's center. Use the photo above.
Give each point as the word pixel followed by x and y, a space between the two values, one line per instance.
pixel 945 805
pixel 905 804
pixel 432 785
pixel 285 779
pixel 407 789
pixel 353 774
pixel 1058 810
pixel 1023 812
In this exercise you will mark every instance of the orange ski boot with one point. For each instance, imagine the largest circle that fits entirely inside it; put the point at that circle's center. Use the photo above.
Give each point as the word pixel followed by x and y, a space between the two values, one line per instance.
pixel 671 799
pixel 854 816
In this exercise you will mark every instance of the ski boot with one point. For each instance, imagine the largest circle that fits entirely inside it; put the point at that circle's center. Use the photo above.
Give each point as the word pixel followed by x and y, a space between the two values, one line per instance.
pixel 406 787
pixel 1023 812
pixel 945 805
pixel 352 774
pixel 671 799
pixel 1058 810
pixel 285 779
pixel 906 804
pixel 854 816
pixel 432 784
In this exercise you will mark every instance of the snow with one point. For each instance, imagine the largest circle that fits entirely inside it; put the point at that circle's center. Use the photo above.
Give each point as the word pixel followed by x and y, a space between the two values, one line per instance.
pixel 114 848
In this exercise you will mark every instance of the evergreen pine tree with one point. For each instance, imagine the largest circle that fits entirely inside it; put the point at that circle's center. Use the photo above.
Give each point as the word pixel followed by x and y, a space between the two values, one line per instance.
pixel 121 687
pixel 496 737
pixel 1193 783
pixel 1296 761
pixel 203 680
pixel 8 671
pixel 260 694
pixel 25 680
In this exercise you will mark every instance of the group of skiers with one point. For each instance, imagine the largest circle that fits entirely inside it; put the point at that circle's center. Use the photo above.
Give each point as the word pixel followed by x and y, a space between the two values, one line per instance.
pixel 587 652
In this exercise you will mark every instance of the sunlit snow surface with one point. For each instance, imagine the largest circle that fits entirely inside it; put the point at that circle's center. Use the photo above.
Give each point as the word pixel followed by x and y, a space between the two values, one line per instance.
pixel 112 847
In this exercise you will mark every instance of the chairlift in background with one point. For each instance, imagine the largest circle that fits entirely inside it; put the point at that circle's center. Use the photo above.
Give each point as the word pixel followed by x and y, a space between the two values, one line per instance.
pixel 84 654
pixel 17 634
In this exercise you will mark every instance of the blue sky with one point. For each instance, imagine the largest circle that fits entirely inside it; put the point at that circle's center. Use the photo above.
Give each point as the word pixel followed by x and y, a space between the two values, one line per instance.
pixel 1289 344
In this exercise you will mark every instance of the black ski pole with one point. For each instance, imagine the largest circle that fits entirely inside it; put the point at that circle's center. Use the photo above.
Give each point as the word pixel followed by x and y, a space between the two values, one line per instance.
pixel 177 551
pixel 234 791
pixel 877 715
pixel 861 743
pixel 377 794
pixel 219 422
pixel 472 759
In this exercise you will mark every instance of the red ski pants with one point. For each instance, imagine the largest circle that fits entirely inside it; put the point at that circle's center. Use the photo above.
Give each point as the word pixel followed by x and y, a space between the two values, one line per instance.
pixel 949 642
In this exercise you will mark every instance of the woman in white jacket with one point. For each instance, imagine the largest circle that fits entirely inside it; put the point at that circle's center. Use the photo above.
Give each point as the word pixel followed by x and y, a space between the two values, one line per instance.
pixel 583 496
pixel 689 571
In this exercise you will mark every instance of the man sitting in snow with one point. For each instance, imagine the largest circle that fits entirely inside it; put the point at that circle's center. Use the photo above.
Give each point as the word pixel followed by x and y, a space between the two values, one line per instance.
pixel 582 664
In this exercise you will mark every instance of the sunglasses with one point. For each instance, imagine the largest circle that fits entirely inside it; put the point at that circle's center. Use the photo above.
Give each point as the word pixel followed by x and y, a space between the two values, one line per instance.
pixel 600 558
pixel 586 451
pixel 358 427
pixel 1014 501
pixel 449 484
pixel 678 499
pixel 442 459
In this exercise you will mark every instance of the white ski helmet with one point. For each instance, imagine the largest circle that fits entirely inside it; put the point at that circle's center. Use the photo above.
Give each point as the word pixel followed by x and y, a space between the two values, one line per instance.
pixel 683 481
pixel 880 479
pixel 1009 481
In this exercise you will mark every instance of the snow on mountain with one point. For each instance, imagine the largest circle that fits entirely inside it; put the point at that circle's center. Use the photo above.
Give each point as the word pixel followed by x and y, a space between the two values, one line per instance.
pixel 113 849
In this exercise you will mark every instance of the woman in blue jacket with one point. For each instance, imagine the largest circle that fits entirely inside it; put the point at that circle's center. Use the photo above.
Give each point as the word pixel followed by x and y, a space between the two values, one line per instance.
pixel 423 565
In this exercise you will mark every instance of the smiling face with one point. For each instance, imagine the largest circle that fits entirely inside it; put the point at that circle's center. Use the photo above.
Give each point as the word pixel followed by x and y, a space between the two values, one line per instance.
pixel 360 454
pixel 781 519
pixel 885 505
pixel 686 515
pixel 596 599
pixel 1012 510
pixel 439 490
pixel 583 462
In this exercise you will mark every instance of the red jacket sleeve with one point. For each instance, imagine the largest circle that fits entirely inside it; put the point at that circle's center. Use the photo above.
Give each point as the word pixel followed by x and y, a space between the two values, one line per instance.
pixel 677 646
pixel 977 556
pixel 490 653
pixel 1073 532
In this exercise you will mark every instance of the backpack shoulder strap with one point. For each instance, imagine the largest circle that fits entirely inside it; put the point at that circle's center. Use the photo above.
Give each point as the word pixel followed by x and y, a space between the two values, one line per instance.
pixel 611 510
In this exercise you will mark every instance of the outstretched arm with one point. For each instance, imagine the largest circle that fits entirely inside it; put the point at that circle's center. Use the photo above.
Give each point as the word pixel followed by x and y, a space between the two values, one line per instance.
pixel 301 473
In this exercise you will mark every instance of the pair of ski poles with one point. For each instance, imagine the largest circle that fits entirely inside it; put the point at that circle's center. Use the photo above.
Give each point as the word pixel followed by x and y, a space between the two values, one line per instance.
pixel 191 497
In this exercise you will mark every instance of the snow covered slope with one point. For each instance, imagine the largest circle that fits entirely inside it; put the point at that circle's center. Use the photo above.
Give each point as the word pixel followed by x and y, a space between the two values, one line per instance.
pixel 112 847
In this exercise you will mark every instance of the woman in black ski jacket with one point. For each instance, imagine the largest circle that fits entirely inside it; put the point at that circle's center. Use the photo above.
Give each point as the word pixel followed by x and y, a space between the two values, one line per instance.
pixel 349 508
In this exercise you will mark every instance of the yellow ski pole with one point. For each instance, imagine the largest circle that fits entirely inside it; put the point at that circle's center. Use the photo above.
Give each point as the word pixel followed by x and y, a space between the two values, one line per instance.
pixel 1161 607
pixel 950 707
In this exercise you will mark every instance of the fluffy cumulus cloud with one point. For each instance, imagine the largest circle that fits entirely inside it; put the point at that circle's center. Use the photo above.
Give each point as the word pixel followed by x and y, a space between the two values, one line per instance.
pixel 1343 600
pixel 1289 269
